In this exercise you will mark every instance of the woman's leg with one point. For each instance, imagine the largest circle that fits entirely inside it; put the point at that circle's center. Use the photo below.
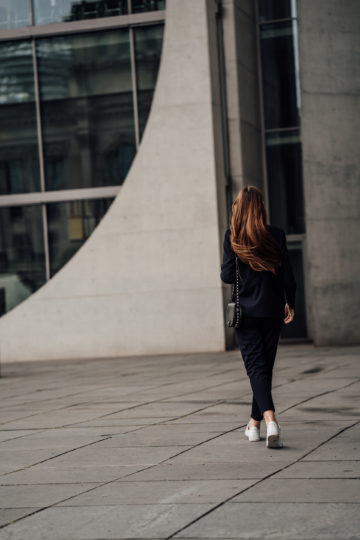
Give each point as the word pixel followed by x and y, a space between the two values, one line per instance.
pixel 271 330
pixel 250 341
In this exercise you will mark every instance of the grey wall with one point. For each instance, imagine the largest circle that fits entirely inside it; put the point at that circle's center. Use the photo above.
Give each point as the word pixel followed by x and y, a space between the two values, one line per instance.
pixel 243 107
pixel 330 80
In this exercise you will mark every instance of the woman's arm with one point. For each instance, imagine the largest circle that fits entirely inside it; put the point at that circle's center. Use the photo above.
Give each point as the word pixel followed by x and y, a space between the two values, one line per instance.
pixel 228 267
pixel 289 279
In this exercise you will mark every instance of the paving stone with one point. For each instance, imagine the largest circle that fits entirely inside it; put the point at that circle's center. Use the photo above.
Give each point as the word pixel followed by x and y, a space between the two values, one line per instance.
pixel 98 455
pixel 11 460
pixel 38 495
pixel 175 470
pixel 303 490
pixel 287 521
pixel 160 492
pixel 8 515
pixel 44 474
pixel 105 522
pixel 321 469
pixel 346 446
pixel 6 435
pixel 151 437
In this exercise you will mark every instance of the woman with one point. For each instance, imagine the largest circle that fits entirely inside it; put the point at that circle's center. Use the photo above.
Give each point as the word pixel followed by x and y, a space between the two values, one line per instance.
pixel 267 291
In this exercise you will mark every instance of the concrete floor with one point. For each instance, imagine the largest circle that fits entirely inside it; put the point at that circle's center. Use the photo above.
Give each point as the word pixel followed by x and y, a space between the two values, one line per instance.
pixel 154 447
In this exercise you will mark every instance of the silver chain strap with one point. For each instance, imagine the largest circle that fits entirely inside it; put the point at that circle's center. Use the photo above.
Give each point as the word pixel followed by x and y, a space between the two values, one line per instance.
pixel 237 292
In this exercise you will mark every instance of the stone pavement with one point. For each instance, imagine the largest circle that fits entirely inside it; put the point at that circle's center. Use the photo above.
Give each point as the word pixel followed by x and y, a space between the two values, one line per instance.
pixel 154 447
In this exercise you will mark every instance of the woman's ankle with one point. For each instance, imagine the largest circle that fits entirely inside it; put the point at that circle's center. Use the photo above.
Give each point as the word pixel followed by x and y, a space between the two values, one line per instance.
pixel 269 416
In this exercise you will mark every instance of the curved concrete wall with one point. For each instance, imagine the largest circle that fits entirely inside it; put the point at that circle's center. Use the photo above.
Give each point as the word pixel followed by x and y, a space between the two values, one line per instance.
pixel 147 280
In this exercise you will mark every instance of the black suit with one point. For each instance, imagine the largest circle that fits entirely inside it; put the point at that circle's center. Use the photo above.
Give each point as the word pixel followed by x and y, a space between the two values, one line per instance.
pixel 262 298
pixel 262 294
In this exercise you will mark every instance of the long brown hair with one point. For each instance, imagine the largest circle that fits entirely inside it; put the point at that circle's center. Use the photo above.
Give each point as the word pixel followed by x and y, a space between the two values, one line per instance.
pixel 250 239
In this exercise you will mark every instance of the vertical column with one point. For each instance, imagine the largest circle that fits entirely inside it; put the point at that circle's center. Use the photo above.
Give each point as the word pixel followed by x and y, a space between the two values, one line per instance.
pixel 41 159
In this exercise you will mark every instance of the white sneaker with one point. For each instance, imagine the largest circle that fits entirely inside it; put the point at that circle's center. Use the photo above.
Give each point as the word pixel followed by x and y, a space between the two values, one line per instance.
pixel 273 439
pixel 253 433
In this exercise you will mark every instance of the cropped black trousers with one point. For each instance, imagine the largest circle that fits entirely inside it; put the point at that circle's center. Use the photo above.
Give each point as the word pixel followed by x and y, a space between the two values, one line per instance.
pixel 257 339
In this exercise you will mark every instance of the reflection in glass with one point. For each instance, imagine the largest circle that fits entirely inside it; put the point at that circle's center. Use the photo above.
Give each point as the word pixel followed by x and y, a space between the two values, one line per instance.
pixel 276 9
pixel 148 42
pixel 69 225
pixel 14 13
pixel 147 5
pixel 19 163
pixel 297 329
pixel 284 171
pixel 86 109
pixel 46 11
pixel 280 75
pixel 22 259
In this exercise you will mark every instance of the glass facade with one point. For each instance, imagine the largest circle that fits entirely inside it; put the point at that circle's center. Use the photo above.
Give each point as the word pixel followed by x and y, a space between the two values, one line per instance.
pixel 69 225
pixel 73 107
pixel 282 136
pixel 273 10
pixel 297 328
pixel 86 108
pixel 138 6
pixel 19 161
pixel 18 13
pixel 22 256
pixel 46 11
pixel 281 98
pixel 14 13
pixel 284 166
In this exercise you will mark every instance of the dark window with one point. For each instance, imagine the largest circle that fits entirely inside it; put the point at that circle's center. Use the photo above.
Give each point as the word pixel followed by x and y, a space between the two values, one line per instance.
pixel 275 9
pixel 19 161
pixel 280 88
pixel 297 328
pixel 284 171
pixel 22 259
pixel 47 11
pixel 69 225
pixel 86 108
pixel 147 5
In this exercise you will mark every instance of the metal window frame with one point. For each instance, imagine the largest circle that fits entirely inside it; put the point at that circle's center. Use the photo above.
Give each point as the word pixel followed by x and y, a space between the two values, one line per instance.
pixel 31 33
pixel 86 25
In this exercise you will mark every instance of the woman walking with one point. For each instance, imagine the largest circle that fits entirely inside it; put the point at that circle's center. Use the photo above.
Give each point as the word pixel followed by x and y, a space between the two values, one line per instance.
pixel 267 294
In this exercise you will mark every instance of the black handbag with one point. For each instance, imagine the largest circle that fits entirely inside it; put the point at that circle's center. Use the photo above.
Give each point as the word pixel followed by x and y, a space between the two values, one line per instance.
pixel 234 314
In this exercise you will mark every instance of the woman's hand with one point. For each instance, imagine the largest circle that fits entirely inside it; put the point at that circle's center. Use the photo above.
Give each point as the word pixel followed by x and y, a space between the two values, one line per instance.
pixel 289 314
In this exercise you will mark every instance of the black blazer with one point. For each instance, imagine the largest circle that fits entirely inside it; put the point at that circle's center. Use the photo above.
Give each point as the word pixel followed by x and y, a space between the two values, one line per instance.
pixel 262 294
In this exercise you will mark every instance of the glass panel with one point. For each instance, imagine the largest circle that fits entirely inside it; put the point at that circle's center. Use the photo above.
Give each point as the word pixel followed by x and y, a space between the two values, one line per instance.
pixel 148 42
pixel 49 11
pixel 69 225
pixel 22 259
pixel 284 170
pixel 276 9
pixel 19 161
pixel 87 109
pixel 297 328
pixel 14 13
pixel 147 5
pixel 280 75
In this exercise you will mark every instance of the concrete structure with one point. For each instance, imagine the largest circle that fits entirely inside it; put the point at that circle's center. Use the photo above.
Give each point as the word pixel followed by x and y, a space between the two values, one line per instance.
pixel 147 280
pixel 330 82
pixel 103 449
